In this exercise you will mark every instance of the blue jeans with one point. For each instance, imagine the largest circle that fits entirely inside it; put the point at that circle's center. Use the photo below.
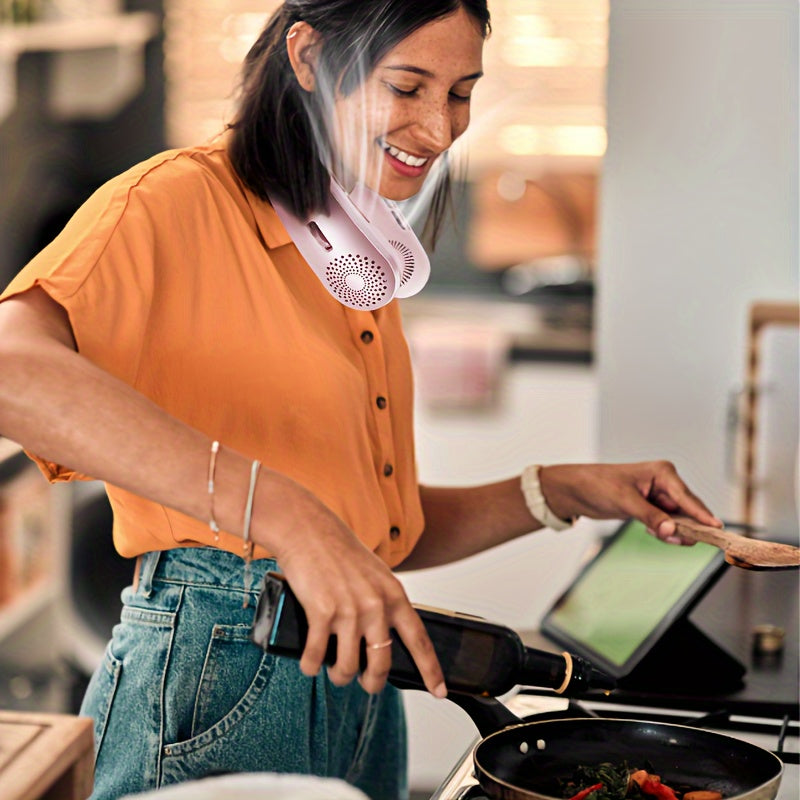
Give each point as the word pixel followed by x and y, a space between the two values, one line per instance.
pixel 183 693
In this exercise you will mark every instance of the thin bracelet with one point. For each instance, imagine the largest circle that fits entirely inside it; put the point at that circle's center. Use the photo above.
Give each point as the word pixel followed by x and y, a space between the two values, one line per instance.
pixel 247 545
pixel 537 505
pixel 212 468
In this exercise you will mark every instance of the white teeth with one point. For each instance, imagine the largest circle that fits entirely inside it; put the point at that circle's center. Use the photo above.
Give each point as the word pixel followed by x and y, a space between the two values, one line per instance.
pixel 406 158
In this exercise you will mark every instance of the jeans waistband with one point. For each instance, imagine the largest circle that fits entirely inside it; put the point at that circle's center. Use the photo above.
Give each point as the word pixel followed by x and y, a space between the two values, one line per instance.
pixel 204 566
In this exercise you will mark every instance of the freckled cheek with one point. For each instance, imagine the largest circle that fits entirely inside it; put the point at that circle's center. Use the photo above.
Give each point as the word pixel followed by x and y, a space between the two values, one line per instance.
pixel 460 124
pixel 360 127
pixel 376 122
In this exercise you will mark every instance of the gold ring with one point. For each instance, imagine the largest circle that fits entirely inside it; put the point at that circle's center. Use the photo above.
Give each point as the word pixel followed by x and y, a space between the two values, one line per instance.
pixel 380 645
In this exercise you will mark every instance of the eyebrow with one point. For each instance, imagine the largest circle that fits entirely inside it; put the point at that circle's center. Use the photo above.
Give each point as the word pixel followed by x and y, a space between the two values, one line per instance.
pixel 427 74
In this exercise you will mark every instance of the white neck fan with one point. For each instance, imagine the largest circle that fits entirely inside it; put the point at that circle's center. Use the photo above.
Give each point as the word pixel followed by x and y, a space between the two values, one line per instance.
pixel 363 250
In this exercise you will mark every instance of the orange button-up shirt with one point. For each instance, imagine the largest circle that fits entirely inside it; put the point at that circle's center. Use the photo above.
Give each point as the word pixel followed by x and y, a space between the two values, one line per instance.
pixel 187 287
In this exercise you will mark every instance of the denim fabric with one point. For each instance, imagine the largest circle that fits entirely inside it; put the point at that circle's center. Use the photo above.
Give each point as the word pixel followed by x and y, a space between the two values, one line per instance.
pixel 182 693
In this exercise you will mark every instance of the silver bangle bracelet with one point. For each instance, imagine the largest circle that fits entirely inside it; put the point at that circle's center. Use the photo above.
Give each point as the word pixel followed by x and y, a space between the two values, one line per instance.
pixel 212 468
pixel 247 545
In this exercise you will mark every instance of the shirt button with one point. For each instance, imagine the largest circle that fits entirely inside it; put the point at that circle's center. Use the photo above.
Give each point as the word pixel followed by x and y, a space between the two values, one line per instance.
pixel 367 336
pixel 394 533
pixel 388 469
pixel 380 402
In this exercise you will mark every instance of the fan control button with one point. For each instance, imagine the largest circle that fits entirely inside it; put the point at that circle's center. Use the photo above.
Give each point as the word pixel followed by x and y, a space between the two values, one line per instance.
pixel 380 401
pixel 367 337
pixel 388 469
pixel 394 533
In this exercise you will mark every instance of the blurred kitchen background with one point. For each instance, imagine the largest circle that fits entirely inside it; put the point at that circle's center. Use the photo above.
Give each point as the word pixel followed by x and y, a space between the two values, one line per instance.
pixel 620 280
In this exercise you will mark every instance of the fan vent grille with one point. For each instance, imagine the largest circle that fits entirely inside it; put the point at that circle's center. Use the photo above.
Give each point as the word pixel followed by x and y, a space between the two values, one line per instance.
pixel 375 283
pixel 408 260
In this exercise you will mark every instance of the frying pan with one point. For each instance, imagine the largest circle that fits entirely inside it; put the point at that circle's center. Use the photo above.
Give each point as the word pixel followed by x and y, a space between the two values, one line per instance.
pixel 522 760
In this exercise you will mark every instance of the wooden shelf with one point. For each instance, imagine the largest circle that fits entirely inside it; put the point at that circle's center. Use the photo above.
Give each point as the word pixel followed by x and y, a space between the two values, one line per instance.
pixel 97 64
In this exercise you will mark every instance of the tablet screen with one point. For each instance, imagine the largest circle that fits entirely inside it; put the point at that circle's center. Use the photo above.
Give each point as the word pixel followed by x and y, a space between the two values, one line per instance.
pixel 629 595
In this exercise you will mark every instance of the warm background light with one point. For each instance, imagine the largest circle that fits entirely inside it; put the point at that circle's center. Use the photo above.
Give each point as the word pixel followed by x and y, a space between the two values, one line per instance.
pixel 543 96
pixel 553 140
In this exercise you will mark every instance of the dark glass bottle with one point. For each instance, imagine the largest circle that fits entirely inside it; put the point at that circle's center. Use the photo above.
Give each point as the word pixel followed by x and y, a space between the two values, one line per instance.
pixel 476 656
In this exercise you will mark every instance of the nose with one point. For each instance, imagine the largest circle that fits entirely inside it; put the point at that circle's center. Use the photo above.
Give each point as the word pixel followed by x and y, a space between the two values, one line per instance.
pixel 436 126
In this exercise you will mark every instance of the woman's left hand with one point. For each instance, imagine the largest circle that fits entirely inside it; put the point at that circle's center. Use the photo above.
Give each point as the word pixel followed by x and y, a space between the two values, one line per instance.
pixel 649 491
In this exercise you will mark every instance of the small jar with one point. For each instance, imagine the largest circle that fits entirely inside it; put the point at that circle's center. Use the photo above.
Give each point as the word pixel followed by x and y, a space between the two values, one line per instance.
pixel 768 639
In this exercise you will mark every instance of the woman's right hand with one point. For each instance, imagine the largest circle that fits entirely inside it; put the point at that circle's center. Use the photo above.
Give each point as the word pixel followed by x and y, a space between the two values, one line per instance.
pixel 58 404
pixel 345 590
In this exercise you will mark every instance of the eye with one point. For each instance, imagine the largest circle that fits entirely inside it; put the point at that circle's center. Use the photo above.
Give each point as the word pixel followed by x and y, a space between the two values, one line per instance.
pixel 460 98
pixel 400 92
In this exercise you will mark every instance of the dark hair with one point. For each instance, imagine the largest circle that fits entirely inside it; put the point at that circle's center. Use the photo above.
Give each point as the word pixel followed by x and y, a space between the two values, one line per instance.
pixel 279 135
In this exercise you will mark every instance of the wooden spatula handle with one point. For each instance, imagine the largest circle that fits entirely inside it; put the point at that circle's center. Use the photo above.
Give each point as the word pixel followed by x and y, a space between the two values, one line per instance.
pixel 697 532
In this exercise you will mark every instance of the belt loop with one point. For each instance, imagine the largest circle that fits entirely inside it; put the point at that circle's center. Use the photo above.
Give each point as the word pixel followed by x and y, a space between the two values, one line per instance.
pixel 149 562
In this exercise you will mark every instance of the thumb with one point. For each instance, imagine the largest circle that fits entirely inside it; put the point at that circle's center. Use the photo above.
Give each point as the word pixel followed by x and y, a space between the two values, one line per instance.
pixel 657 521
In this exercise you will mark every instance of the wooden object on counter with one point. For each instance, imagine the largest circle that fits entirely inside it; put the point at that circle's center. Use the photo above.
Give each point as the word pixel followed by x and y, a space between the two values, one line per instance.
pixel 45 756
pixel 762 315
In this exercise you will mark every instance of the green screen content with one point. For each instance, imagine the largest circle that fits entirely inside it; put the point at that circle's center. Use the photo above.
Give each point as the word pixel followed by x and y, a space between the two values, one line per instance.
pixel 626 592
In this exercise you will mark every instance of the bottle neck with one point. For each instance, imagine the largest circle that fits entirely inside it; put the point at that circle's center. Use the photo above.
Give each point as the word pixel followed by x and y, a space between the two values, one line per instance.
pixel 547 670
pixel 565 673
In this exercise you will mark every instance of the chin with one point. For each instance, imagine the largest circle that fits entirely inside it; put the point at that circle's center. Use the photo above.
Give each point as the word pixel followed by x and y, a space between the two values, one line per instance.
pixel 399 193
pixel 397 197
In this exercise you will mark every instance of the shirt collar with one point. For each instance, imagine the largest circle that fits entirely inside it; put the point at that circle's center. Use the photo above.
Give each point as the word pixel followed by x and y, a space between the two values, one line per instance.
pixel 271 228
pixel 272 231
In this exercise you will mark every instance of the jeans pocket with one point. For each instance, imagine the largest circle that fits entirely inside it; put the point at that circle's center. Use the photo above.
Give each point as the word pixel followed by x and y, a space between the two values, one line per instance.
pixel 365 738
pixel 104 686
pixel 234 676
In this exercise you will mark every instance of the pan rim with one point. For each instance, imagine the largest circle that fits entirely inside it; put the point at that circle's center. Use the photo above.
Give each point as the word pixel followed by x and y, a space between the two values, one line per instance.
pixel 594 720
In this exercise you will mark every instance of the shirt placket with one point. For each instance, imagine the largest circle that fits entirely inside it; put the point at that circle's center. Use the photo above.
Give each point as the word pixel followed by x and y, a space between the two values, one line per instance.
pixel 366 335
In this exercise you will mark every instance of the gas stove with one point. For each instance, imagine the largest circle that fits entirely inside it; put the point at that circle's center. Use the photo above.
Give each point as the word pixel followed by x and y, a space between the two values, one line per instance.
pixel 780 736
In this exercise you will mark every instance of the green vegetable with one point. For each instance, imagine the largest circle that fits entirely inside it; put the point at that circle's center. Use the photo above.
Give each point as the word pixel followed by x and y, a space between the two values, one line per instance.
pixel 614 777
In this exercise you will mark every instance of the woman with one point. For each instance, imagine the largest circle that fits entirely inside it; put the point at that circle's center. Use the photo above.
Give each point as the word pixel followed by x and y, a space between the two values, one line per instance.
pixel 173 343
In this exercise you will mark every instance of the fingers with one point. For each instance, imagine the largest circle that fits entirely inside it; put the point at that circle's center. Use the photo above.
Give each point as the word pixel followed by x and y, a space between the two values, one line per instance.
pixel 415 637
pixel 671 494
pixel 662 493
pixel 319 633
pixel 347 663
pixel 339 620
pixel 364 630
pixel 379 662
pixel 656 520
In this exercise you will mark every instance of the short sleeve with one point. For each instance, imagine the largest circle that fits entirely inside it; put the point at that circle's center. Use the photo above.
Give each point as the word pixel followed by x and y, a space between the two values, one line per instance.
pixel 100 269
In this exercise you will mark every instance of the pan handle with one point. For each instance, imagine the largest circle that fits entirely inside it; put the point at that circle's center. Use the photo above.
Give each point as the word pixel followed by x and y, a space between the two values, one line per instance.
pixel 488 713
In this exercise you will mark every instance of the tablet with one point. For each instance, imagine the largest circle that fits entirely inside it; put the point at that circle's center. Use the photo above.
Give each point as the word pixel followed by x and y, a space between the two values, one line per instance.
pixel 629 596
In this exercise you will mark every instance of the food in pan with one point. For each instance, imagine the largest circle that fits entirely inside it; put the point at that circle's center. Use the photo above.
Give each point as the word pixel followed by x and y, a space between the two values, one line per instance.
pixel 607 781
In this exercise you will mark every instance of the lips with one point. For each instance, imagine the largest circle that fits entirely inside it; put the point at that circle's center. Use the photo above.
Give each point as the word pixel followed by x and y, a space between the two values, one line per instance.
pixel 403 163
pixel 402 156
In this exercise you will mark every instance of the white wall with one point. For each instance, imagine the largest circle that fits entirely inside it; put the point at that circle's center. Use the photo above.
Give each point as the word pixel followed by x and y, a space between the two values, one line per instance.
pixel 699 217
pixel 547 413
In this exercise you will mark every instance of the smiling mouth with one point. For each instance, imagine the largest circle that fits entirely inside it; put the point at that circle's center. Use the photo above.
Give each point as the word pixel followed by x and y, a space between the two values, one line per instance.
pixel 401 155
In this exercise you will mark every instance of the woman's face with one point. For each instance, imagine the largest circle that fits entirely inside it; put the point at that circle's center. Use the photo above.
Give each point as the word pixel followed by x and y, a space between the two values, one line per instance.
pixel 410 109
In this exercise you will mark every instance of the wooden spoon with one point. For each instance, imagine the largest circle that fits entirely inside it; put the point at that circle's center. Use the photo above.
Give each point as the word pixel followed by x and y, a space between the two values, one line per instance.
pixel 739 550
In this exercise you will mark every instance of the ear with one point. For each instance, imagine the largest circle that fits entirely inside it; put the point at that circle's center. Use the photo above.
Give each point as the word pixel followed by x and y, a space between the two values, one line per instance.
pixel 302 45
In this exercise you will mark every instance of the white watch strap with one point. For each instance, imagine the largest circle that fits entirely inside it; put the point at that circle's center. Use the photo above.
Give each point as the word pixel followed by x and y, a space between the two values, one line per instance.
pixel 537 505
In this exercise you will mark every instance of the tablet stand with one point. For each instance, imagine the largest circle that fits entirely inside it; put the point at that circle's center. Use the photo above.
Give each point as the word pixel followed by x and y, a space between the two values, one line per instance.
pixel 685 660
